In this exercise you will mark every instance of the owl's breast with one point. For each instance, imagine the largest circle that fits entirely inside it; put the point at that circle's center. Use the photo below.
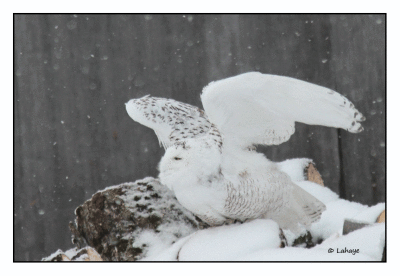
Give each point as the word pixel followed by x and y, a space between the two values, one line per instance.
pixel 204 200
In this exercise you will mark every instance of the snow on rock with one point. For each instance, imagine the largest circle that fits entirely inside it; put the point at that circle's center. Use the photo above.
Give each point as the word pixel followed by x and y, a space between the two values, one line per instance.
pixel 59 255
pixel 226 243
pixel 130 221
pixel 294 167
pixel 370 214
pixel 77 255
pixel 175 221
pixel 171 253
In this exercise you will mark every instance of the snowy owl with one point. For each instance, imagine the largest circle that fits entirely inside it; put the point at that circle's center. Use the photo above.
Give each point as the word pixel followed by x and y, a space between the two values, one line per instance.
pixel 209 162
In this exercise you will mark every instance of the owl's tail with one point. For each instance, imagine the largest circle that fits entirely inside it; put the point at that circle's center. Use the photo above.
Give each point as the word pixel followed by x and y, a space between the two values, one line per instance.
pixel 303 209
pixel 311 206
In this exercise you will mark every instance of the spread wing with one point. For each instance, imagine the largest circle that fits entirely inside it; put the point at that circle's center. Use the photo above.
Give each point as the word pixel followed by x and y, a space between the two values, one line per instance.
pixel 172 121
pixel 255 108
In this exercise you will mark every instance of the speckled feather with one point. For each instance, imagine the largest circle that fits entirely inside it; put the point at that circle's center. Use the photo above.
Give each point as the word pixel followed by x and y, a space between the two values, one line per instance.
pixel 172 121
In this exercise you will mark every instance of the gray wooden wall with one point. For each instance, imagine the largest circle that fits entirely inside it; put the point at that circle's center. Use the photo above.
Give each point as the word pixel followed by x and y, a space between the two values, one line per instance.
pixel 73 74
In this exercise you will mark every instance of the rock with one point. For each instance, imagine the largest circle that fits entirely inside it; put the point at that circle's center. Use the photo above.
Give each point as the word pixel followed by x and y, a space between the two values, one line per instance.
pixel 284 242
pixel 58 256
pixel 84 254
pixel 130 220
pixel 304 240
pixel 351 225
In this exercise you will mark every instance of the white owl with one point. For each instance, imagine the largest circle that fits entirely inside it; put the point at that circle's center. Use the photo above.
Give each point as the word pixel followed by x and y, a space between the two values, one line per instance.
pixel 209 162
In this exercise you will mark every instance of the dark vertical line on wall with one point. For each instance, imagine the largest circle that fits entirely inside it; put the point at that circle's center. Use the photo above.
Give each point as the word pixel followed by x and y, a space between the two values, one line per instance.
pixel 17 167
pixel 202 79
pixel 44 23
pixel 18 172
pixel 342 184
pixel 339 185
pixel 374 186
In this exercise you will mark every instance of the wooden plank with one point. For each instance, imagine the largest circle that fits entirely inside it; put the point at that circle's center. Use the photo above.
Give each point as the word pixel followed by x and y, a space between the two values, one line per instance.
pixel 358 42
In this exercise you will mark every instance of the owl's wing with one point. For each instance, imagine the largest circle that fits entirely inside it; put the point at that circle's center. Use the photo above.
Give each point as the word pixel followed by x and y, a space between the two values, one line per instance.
pixel 255 108
pixel 172 121
pixel 271 194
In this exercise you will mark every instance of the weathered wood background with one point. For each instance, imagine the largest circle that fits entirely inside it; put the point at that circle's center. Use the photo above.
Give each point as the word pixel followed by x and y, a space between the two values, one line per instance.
pixel 73 74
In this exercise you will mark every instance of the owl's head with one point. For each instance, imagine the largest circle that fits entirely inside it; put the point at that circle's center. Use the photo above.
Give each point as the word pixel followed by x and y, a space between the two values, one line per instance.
pixel 188 161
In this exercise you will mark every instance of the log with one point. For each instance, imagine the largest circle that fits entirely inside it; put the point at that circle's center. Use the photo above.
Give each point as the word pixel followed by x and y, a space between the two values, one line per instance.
pixel 120 222
pixel 84 254
pixel 382 217
pixel 312 174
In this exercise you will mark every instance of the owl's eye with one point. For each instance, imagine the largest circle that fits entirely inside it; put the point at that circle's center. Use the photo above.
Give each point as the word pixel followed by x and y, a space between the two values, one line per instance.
pixel 177 158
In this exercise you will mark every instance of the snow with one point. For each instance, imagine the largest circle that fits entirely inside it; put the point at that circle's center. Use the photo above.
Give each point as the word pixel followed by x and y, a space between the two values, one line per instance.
pixel 171 253
pixel 226 243
pixel 294 167
pixel 368 240
pixel 259 240
pixel 371 213
pixel 59 251
pixel 337 210
pixel 301 254
pixel 156 243
pixel 71 253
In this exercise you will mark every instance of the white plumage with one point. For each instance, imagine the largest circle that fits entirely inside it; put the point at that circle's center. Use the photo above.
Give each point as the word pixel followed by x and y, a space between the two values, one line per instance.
pixel 209 163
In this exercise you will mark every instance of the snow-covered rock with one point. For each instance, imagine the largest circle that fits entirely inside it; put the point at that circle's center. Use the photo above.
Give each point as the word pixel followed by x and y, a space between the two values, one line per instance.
pixel 76 255
pixel 130 221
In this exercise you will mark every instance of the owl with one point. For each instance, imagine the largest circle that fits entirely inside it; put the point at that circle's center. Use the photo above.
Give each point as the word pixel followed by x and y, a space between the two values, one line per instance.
pixel 210 162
